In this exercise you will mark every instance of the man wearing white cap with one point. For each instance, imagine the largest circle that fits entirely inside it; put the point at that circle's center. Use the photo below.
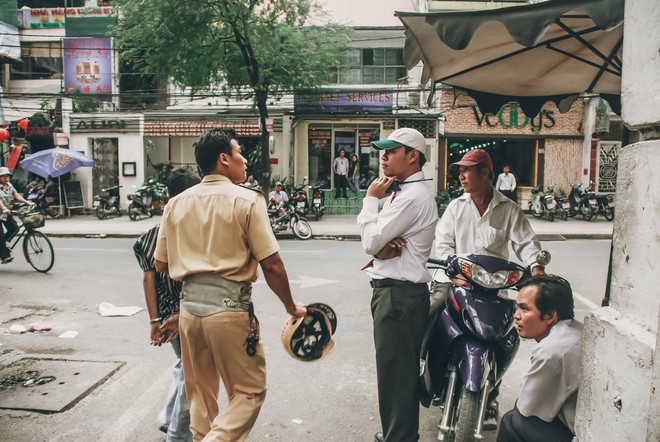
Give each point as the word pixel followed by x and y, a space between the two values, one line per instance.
pixel 7 196
pixel 399 238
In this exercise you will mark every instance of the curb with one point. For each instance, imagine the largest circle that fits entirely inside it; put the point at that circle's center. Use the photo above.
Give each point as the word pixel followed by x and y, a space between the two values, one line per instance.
pixel 334 236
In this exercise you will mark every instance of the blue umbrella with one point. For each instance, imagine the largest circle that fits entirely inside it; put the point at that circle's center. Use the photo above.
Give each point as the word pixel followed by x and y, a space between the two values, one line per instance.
pixel 55 162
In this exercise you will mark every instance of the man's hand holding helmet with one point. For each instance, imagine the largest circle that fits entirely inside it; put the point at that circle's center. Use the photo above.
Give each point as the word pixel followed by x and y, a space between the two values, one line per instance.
pixel 297 310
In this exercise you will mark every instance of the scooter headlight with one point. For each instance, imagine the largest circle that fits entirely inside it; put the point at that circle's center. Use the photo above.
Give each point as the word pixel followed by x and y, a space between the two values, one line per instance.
pixel 495 280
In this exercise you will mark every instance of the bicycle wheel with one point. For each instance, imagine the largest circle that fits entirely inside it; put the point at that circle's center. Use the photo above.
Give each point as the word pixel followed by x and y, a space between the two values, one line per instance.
pixel 38 251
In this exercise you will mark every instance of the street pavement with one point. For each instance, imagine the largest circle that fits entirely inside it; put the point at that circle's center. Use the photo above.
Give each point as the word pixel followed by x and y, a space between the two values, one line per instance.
pixel 330 226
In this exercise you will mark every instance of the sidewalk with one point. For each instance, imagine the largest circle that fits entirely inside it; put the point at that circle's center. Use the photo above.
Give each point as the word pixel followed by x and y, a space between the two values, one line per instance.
pixel 330 226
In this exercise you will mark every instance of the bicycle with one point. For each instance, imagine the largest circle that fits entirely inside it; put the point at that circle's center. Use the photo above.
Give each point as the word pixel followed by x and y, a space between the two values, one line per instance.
pixel 37 248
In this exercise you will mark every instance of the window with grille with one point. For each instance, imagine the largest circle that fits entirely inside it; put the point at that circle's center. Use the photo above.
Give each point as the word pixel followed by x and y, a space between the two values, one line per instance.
pixel 372 66
pixel 40 61
pixel 426 127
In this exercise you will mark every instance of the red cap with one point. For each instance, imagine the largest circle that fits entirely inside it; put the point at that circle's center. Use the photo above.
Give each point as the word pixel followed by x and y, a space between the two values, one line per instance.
pixel 474 157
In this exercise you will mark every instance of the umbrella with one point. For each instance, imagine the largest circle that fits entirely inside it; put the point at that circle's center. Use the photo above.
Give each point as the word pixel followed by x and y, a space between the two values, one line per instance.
pixel 55 162
pixel 550 51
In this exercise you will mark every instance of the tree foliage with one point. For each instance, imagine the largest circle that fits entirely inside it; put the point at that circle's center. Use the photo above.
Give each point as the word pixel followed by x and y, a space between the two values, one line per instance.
pixel 253 49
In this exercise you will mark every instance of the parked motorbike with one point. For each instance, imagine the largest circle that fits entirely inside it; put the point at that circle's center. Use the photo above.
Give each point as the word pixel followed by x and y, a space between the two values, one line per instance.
pixel 318 201
pixel 107 203
pixel 472 342
pixel 299 196
pixel 286 217
pixel 605 207
pixel 580 203
pixel 44 205
pixel 542 205
pixel 140 203
pixel 561 204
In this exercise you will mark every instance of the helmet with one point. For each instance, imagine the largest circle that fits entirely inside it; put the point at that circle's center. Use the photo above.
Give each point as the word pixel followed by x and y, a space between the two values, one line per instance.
pixel 309 338
pixel 4 171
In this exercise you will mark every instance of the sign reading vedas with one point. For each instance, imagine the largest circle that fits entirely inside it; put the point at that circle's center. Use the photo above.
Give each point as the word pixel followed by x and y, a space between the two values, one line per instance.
pixel 512 116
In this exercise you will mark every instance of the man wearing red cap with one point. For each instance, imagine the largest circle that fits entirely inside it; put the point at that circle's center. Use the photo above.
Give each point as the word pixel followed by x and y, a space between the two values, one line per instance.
pixel 481 221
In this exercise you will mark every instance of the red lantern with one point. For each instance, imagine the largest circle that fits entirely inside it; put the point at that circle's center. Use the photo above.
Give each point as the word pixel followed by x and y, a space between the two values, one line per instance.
pixel 4 135
pixel 23 124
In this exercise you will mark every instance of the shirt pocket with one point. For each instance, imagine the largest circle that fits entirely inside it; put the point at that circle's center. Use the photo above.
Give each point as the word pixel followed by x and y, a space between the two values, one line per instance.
pixel 494 238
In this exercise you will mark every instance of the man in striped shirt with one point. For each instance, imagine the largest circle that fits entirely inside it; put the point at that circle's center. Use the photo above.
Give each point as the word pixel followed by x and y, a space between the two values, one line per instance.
pixel 162 297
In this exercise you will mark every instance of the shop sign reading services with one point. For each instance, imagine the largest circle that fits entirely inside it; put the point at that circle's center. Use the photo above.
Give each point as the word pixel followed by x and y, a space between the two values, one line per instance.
pixel 511 115
pixel 353 101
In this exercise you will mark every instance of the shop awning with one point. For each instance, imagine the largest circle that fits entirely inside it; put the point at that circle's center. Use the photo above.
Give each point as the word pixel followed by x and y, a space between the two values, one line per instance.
pixel 550 51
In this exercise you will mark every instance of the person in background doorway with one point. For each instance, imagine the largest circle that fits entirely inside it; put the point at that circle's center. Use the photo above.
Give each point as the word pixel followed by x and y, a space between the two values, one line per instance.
pixel 354 175
pixel 545 410
pixel 341 174
pixel 162 297
pixel 8 195
pixel 506 183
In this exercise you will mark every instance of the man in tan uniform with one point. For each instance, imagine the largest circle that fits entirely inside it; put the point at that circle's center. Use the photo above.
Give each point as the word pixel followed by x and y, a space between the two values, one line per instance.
pixel 211 237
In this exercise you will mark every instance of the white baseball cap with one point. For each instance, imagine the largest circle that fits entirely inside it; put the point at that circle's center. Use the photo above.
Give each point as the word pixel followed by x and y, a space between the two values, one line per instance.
pixel 4 171
pixel 403 137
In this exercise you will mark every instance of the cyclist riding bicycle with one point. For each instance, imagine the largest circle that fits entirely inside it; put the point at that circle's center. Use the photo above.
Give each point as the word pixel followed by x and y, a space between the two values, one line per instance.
pixel 7 196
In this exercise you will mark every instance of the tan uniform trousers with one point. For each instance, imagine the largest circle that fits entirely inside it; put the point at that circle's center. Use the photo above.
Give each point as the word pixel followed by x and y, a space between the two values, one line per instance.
pixel 213 348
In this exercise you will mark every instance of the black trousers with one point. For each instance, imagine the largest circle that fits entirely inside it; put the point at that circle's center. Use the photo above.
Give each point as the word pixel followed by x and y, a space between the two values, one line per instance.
pixel 511 194
pixel 399 316
pixel 515 427
pixel 341 183
pixel 11 227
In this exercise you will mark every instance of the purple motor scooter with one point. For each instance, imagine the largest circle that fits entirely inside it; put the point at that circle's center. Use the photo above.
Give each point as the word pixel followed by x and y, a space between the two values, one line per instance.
pixel 471 343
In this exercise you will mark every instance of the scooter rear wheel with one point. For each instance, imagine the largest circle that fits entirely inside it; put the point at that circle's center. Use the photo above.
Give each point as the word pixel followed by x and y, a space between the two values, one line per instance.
pixel 467 415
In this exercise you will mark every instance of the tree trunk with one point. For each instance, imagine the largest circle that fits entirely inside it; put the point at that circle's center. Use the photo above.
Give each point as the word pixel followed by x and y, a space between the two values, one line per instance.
pixel 264 178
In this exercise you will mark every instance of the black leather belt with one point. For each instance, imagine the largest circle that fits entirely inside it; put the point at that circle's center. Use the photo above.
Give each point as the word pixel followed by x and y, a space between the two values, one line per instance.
pixel 387 282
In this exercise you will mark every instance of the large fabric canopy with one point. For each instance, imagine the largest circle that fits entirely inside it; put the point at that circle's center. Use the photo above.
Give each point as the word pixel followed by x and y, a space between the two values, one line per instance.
pixel 550 51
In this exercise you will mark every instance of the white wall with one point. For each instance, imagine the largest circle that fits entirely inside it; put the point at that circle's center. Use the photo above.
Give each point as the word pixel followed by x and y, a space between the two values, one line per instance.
pixel 619 397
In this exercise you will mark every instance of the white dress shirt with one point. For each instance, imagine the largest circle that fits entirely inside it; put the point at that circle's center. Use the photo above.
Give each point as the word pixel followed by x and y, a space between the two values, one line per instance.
pixel 506 182
pixel 550 387
pixel 341 165
pixel 463 230
pixel 412 215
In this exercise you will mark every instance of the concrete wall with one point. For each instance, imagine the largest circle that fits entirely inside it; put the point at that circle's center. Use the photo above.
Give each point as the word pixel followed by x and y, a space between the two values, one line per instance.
pixel 619 396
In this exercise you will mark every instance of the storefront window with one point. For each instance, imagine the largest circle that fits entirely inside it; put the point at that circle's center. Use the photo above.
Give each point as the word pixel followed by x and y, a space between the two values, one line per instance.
pixel 519 154
pixel 105 172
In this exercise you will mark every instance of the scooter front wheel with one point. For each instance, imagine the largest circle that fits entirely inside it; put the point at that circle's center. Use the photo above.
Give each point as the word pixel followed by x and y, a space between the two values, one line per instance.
pixel 100 213
pixel 133 212
pixel 609 214
pixel 302 229
pixel 466 416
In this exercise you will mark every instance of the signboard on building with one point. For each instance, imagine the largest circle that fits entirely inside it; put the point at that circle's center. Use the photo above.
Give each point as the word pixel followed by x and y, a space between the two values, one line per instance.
pixel 30 18
pixel 88 65
pixel 243 128
pixel 344 101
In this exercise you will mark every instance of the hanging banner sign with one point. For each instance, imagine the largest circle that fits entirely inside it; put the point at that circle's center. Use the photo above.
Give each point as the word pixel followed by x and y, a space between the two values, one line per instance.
pixel 88 65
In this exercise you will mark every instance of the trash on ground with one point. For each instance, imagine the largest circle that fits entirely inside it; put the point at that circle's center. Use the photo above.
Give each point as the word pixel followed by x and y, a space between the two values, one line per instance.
pixel 38 327
pixel 107 309
pixel 68 334
pixel 17 328
pixel 296 421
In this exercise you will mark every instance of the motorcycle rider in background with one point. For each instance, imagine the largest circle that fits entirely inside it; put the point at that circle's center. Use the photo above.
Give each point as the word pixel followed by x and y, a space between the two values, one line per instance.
pixel 278 198
pixel 481 221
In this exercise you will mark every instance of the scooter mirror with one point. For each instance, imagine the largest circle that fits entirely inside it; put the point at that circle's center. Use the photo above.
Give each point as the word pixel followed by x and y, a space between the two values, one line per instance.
pixel 543 257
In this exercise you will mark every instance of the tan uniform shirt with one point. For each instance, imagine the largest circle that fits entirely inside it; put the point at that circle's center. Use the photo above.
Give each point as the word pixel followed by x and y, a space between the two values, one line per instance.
pixel 215 226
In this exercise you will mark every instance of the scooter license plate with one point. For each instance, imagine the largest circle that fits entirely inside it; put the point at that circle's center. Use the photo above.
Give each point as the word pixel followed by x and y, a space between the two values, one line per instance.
pixel 592 202
pixel 301 205
pixel 317 200
pixel 566 205
pixel 96 203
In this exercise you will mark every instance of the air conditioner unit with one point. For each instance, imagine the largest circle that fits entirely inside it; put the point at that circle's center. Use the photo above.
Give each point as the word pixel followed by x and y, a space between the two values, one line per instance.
pixel 107 106
pixel 413 98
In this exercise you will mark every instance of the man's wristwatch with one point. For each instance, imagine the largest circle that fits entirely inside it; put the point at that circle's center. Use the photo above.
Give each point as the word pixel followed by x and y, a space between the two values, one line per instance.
pixel 158 319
